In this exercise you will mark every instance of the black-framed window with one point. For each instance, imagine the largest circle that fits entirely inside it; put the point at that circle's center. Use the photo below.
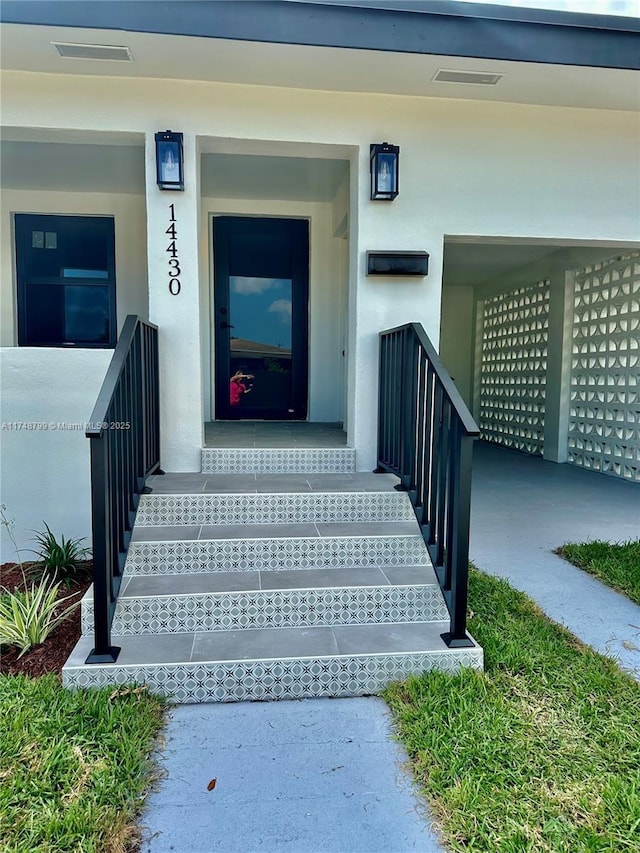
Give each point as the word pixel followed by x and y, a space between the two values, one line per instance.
pixel 66 280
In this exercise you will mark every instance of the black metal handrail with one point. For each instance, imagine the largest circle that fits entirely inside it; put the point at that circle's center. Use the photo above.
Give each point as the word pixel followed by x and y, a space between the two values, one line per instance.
pixel 425 437
pixel 125 448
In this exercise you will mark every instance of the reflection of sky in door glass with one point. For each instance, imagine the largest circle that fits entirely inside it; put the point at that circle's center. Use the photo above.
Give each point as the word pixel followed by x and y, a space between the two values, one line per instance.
pixel 260 309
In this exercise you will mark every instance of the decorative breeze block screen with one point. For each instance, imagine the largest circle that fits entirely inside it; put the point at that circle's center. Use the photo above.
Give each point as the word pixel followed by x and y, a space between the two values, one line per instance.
pixel 513 368
pixel 604 414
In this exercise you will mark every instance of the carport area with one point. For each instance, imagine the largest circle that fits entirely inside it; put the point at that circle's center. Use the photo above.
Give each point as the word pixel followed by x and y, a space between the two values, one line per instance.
pixel 542 338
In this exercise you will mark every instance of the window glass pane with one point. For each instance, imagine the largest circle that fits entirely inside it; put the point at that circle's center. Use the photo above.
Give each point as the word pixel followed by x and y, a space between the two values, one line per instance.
pixel 60 243
pixel 86 247
pixel 40 262
pixel 44 314
pixel 73 273
pixel 66 280
pixel 86 314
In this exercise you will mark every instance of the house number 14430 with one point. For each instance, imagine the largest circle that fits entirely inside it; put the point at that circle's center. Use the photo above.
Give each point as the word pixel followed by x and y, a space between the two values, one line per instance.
pixel 172 250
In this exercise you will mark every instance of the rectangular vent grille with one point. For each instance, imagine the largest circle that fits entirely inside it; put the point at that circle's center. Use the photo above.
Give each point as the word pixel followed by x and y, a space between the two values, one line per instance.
pixel 109 52
pixel 480 78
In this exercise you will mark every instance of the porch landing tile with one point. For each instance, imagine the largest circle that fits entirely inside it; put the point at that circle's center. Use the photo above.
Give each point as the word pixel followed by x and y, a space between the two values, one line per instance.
pixel 271 434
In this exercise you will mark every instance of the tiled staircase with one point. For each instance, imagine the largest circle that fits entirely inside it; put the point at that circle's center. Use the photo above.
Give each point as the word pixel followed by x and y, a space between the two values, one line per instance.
pixel 276 573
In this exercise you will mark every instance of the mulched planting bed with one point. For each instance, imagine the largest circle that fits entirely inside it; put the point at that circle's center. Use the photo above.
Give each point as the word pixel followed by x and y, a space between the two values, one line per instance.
pixel 52 654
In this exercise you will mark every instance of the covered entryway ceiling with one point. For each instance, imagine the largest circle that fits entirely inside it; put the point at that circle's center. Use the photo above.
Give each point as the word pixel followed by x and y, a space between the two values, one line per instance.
pixel 29 48
pixel 268 177
pixel 472 261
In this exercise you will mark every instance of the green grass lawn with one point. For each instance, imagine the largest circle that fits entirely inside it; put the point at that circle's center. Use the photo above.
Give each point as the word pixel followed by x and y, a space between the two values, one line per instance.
pixel 541 752
pixel 73 765
pixel 617 565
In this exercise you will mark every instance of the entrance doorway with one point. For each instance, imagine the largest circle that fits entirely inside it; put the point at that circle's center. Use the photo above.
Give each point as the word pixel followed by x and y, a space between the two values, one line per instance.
pixel 261 298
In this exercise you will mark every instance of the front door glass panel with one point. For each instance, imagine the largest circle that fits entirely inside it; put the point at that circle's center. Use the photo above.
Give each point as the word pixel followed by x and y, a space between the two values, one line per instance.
pixel 260 343
pixel 261 306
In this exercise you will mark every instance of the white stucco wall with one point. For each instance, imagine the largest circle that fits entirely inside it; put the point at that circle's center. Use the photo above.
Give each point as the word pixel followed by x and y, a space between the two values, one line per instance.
pixel 467 168
pixel 177 316
pixel 327 283
pixel 456 337
pixel 130 236
pixel 45 467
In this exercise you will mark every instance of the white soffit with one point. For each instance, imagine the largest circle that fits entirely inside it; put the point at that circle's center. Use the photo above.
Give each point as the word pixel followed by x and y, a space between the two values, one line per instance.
pixel 28 48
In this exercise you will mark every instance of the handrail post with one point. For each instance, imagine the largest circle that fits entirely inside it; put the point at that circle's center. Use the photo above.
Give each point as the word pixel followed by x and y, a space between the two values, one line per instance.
pixel 382 391
pixel 456 637
pixel 103 651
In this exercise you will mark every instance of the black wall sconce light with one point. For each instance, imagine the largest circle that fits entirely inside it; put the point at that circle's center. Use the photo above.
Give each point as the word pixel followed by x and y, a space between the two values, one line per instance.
pixel 169 160
pixel 384 162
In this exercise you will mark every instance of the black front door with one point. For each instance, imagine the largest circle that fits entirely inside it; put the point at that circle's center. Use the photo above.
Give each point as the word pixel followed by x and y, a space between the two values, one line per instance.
pixel 261 304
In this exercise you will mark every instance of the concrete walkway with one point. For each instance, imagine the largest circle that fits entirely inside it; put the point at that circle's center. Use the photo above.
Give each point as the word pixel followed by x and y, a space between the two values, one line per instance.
pixel 523 508
pixel 308 776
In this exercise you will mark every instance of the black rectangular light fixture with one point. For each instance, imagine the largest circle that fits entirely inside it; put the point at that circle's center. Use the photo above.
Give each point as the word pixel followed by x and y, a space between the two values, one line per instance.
pixel 398 263
pixel 169 160
pixel 384 160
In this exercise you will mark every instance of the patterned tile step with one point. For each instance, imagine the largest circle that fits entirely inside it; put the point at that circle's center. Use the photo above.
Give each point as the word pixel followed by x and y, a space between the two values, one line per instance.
pixel 280 508
pixel 296 530
pixel 217 611
pixel 275 554
pixel 197 584
pixel 173 484
pixel 285 460
pixel 273 663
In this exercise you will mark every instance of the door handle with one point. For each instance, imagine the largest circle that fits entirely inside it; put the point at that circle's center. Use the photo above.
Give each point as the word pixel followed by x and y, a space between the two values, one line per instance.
pixel 225 325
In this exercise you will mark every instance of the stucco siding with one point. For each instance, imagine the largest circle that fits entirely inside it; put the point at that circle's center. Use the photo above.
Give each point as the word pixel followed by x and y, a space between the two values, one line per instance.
pixel 47 397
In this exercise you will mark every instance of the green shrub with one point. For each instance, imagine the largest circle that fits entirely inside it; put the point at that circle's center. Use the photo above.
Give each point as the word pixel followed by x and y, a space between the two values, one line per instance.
pixel 63 561
pixel 28 617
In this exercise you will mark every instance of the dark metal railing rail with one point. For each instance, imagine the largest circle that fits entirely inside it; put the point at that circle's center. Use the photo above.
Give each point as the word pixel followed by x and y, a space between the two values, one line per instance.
pixel 425 437
pixel 125 448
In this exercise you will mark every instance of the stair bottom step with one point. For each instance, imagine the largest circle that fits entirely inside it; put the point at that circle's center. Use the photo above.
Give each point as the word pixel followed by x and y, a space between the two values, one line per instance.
pixel 273 663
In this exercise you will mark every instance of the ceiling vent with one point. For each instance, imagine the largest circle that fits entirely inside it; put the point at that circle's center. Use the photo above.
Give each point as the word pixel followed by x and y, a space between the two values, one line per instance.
pixel 480 78
pixel 110 52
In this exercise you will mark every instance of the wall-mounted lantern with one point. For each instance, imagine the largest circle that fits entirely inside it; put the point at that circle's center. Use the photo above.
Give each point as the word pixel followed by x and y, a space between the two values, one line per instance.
pixel 383 165
pixel 169 160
